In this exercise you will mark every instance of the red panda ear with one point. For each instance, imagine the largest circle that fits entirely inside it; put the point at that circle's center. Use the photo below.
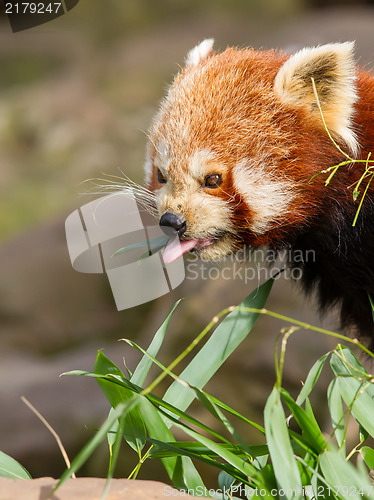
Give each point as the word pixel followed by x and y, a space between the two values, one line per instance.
pixel 199 53
pixel 333 70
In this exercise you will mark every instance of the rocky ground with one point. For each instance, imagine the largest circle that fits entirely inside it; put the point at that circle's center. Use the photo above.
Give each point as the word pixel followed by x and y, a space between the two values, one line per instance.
pixel 85 489
pixel 79 113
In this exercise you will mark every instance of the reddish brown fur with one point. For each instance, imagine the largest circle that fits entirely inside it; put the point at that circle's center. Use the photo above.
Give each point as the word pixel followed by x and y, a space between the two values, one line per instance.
pixel 301 151
pixel 229 107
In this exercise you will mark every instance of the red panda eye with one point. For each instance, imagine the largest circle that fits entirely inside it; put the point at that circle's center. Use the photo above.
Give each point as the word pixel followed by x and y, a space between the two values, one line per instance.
pixel 213 180
pixel 160 177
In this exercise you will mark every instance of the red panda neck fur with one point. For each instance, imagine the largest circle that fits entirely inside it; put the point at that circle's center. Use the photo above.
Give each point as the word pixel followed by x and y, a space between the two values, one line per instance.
pixel 251 121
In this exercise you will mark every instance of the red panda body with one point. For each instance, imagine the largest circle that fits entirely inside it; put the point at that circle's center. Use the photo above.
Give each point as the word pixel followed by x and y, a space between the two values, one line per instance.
pixel 234 154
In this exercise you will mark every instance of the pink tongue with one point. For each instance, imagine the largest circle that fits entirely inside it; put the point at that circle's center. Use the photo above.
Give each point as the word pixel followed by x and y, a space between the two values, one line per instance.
pixel 176 248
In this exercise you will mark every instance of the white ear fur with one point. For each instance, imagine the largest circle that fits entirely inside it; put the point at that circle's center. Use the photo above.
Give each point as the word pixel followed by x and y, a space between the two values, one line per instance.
pixel 199 53
pixel 333 70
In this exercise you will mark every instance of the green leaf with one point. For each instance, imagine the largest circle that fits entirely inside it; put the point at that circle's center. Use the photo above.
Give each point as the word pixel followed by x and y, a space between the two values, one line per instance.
pixel 311 431
pixel 224 340
pixel 280 449
pixel 311 379
pixel 111 437
pixel 371 304
pixel 316 484
pixel 157 242
pixel 198 449
pixel 198 452
pixel 363 433
pixel 163 406
pixel 10 468
pixel 145 363
pixel 356 390
pixel 236 461
pixel 334 399
pixel 343 477
pixel 194 450
pixel 368 456
pixel 227 336
pixel 181 472
pixel 225 481
pixel 121 410
pixel 233 412
pixel 344 362
pixel 114 451
pixel 210 405
pixel 210 402
pixel 133 425
pixel 154 249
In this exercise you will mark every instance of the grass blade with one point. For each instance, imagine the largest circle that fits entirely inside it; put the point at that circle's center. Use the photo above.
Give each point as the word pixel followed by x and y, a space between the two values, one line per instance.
pixel 121 410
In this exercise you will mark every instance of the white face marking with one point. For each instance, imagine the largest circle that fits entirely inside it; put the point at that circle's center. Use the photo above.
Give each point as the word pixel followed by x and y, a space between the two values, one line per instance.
pixel 205 213
pixel 147 170
pixel 199 163
pixel 162 158
pixel 267 197
pixel 200 52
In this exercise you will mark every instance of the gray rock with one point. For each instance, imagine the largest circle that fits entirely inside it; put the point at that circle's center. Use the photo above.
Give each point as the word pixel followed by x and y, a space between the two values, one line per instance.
pixel 85 489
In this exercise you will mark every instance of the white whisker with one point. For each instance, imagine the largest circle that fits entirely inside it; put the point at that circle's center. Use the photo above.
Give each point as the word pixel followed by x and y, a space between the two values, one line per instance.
pixel 106 186
pixel 150 139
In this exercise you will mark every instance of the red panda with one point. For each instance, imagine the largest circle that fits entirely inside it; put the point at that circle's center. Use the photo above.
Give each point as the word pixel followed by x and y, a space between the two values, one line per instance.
pixel 233 154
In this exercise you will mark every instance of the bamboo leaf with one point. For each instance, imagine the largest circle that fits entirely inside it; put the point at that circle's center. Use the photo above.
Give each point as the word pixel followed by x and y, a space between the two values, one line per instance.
pixel 224 340
pixel 180 470
pixel 10 468
pixel 198 449
pixel 368 456
pixel 210 402
pixel 342 476
pixel 356 388
pixel 145 363
pixel 111 437
pixel 334 399
pixel 121 410
pixel 371 304
pixel 133 425
pixel 311 379
pixel 240 464
pixel 278 440
pixel 311 431
pixel 157 242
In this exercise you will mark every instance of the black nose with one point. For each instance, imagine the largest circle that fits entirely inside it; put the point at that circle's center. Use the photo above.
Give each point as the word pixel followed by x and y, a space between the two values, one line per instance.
pixel 173 221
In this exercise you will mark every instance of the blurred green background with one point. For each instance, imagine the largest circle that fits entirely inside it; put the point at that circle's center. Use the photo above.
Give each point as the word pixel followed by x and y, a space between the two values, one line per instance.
pixel 76 98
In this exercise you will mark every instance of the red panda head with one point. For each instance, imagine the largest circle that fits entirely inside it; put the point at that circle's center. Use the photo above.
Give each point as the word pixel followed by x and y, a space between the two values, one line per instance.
pixel 238 138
